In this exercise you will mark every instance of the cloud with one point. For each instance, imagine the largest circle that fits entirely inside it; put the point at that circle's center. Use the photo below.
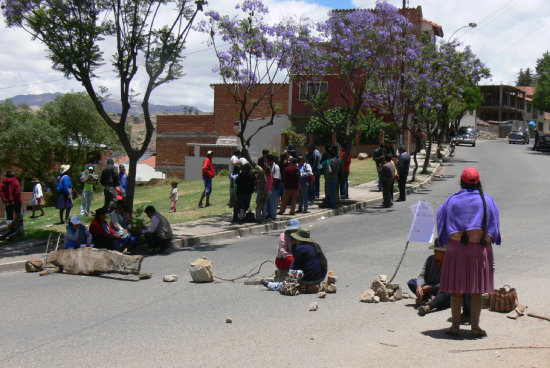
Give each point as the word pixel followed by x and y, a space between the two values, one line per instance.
pixel 510 35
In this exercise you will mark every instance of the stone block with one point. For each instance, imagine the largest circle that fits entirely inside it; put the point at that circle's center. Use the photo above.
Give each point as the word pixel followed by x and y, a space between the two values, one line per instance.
pixel 383 278
pixel 380 290
pixel 368 296
pixel 398 295
pixel 201 270
pixel 362 156
pixel 170 278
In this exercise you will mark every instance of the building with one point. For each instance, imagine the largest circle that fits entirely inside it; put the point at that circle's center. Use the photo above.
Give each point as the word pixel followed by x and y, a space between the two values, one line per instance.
pixel 183 140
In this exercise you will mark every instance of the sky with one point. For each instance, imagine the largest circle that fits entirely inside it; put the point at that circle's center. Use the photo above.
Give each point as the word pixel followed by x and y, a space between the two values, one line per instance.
pixel 511 34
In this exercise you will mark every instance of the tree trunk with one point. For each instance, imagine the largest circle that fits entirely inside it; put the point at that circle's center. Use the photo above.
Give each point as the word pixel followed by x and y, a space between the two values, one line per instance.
pixel 428 154
pixel 130 192
pixel 415 166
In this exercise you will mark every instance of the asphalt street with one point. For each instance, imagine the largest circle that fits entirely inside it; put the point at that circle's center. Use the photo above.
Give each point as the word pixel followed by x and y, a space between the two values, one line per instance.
pixel 63 320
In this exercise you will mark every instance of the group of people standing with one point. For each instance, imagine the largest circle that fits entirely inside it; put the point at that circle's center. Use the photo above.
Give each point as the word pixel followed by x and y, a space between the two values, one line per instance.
pixel 290 180
pixel 391 168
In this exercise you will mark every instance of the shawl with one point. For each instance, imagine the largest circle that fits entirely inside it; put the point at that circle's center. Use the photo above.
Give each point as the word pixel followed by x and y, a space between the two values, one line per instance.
pixel 463 211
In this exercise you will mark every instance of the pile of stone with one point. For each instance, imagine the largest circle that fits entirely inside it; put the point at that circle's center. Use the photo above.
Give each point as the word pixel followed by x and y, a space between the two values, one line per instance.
pixel 482 134
pixel 382 291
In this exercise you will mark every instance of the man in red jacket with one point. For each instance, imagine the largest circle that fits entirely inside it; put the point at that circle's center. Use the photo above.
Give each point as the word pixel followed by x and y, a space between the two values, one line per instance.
pixel 207 174
pixel 10 189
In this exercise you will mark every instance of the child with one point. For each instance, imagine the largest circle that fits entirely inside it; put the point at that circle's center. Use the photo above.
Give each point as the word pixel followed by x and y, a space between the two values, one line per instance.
pixel 173 196
pixel 37 198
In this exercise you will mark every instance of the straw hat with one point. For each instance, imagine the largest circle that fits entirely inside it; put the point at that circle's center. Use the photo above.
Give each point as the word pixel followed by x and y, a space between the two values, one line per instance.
pixel 64 168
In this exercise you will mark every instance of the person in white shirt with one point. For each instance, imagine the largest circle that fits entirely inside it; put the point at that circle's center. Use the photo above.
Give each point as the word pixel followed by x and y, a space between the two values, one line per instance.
pixel 271 210
pixel 38 201
pixel 173 196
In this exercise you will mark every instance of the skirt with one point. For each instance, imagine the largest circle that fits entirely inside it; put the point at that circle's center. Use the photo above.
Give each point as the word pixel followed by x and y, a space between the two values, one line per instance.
pixel 63 202
pixel 467 269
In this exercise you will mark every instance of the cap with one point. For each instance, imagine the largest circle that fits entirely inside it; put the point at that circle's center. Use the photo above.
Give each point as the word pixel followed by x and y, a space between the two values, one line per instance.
pixel 75 220
pixel 90 167
pixel 292 224
pixel 470 176
pixel 209 153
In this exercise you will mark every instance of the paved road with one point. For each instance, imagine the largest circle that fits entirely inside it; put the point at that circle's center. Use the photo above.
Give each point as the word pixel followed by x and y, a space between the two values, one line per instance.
pixel 63 320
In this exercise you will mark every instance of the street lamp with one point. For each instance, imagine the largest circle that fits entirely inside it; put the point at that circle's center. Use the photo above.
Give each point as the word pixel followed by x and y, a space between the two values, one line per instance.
pixel 470 25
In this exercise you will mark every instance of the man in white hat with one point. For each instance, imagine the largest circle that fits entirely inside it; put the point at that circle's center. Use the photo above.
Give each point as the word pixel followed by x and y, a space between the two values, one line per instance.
pixel 89 179
pixel 208 173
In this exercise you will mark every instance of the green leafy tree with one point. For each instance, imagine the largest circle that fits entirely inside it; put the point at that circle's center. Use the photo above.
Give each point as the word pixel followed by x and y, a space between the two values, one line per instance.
pixel 28 142
pixel 78 33
pixel 80 128
pixel 525 78
pixel 541 98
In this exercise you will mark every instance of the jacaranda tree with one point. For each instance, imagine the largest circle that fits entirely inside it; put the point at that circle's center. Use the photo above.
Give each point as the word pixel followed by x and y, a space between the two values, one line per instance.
pixel 253 62
pixel 353 50
pixel 78 34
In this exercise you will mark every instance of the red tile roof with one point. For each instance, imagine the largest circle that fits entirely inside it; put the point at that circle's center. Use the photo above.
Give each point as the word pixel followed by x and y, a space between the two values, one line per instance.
pixel 529 91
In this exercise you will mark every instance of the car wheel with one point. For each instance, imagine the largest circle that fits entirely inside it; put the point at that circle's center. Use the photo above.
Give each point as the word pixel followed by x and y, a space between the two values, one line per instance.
pixel 509 142
pixel 473 144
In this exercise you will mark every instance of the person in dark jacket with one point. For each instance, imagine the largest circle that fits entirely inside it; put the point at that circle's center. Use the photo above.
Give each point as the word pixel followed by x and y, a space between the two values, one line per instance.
pixel 10 190
pixel 245 188
pixel 109 180
pixel 379 157
pixel 291 177
pixel 403 164
pixel 387 173
pixel 263 159
pixel 309 258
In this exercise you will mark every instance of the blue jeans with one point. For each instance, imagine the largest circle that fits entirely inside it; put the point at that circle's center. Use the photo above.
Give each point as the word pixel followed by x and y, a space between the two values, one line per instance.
pixel 271 205
pixel 87 196
pixel 344 186
pixel 303 198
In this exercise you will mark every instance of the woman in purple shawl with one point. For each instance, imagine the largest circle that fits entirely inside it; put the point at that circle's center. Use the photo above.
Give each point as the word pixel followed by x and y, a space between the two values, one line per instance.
pixel 468 222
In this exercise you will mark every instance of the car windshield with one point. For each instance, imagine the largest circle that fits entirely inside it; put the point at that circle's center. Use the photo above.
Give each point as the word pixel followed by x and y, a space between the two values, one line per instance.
pixel 517 132
pixel 465 130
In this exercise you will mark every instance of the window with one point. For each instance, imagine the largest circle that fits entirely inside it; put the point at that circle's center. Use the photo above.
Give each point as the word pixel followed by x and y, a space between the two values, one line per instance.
pixel 310 90
pixel 529 108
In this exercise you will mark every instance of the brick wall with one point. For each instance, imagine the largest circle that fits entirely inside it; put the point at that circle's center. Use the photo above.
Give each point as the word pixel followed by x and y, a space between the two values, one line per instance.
pixel 173 134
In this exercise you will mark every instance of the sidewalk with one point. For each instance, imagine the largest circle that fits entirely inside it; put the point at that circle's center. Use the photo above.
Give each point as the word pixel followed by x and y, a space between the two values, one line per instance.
pixel 188 234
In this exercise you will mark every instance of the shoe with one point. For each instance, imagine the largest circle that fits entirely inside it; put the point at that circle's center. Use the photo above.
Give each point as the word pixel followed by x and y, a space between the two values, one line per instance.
pixel 299 211
pixel 280 213
pixel 201 205
pixel 208 205
pixel 305 212
pixel 264 282
pixel 292 213
pixel 33 216
pixel 422 310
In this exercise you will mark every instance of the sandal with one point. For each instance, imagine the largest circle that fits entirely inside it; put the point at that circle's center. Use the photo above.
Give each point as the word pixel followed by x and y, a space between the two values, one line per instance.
pixel 478 332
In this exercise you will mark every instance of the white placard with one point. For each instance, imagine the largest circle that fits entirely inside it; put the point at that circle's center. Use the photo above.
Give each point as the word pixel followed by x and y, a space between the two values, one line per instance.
pixel 423 225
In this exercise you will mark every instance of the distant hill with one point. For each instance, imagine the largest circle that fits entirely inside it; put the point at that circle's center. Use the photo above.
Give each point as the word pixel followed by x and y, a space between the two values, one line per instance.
pixel 111 106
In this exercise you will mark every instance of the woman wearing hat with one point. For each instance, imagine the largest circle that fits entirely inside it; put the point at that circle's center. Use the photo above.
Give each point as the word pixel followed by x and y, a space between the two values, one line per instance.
pixel 468 222
pixel 77 235
pixel 38 201
pixel 309 258
pixel 64 194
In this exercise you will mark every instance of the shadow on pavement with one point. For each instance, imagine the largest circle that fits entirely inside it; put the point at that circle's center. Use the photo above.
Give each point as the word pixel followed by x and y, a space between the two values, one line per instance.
pixel 201 247
pixel 441 335
pixel 9 249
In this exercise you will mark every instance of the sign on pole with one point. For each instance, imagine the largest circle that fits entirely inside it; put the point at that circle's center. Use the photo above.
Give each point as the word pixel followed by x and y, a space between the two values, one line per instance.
pixel 423 225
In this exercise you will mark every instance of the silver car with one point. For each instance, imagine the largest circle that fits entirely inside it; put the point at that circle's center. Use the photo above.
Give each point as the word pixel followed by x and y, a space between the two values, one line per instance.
pixel 466 135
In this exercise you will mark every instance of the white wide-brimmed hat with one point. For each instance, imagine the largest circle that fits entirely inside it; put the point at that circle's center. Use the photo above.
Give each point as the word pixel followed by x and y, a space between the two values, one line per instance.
pixel 64 168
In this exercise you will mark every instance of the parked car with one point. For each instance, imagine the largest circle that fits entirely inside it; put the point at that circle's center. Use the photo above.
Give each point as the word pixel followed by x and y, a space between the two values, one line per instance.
pixel 466 135
pixel 543 142
pixel 518 136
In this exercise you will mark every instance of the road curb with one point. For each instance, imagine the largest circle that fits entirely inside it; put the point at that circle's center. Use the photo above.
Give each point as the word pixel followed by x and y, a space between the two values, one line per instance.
pixel 190 241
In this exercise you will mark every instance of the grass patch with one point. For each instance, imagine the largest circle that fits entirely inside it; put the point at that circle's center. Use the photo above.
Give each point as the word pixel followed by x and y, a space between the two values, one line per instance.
pixel 361 171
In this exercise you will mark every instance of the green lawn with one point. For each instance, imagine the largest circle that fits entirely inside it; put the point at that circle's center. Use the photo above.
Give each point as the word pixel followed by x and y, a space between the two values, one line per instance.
pixel 187 209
